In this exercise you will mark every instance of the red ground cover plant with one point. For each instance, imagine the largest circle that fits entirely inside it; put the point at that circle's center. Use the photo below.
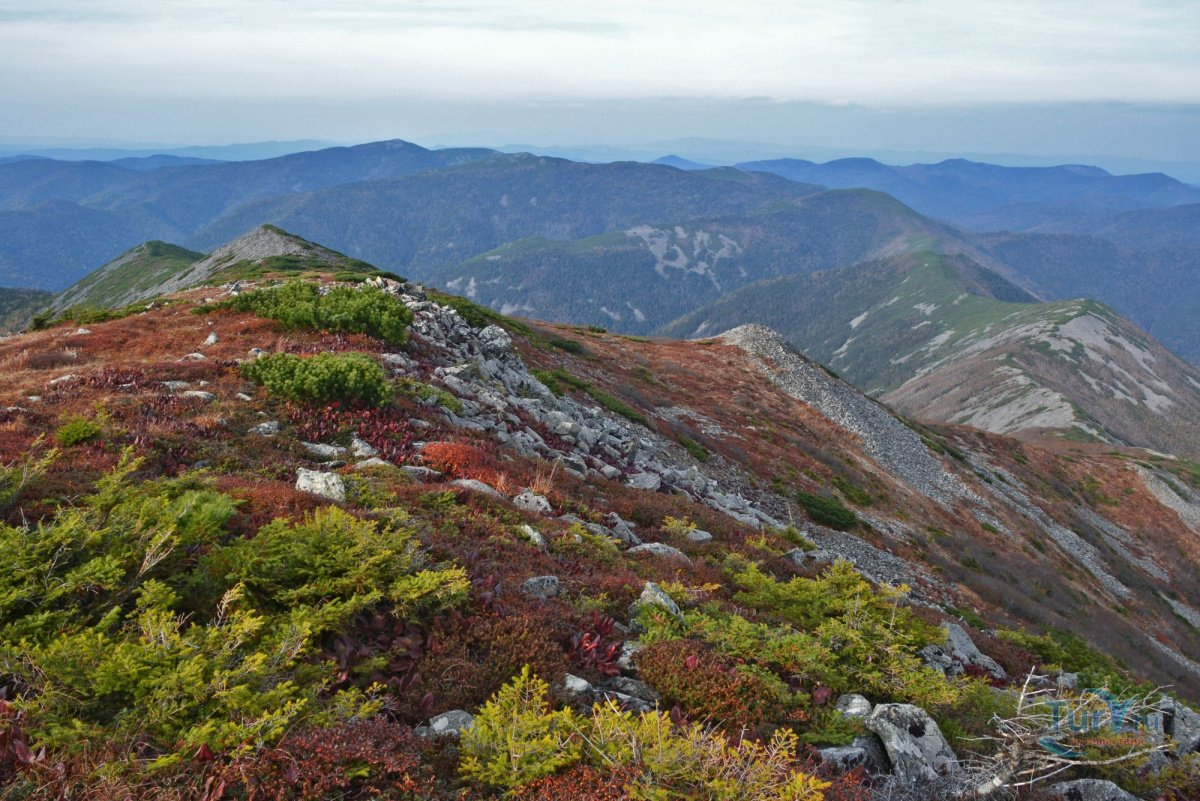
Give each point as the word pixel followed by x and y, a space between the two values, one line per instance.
pixel 468 658
pixel 317 764
pixel 580 783
pixel 460 460
pixel 690 675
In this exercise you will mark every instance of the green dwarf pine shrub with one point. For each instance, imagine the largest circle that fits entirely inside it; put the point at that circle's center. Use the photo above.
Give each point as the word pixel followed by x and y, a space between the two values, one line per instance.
pixel 344 310
pixel 325 378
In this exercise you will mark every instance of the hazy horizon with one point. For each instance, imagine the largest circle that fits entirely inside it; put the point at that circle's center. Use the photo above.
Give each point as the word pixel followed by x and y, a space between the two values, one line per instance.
pixel 1097 80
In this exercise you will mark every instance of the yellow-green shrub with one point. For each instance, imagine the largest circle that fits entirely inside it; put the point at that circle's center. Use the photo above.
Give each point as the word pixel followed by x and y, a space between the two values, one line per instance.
pixel 113 628
pixel 517 738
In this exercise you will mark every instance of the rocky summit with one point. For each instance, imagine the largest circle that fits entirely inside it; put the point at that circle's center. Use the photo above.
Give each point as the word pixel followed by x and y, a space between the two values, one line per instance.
pixel 298 528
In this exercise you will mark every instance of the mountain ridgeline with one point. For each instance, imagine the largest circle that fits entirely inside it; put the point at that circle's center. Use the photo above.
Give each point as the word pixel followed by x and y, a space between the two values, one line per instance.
pixel 683 249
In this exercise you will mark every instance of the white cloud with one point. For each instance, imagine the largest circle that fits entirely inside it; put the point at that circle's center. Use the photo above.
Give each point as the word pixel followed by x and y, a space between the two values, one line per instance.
pixel 858 51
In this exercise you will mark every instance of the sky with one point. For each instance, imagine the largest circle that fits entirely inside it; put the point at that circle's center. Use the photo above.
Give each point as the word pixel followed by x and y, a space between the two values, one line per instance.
pixel 1104 77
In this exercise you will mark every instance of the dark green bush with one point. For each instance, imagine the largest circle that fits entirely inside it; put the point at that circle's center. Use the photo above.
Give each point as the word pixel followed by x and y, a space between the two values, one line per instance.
pixel 345 310
pixel 77 430
pixel 328 377
pixel 827 511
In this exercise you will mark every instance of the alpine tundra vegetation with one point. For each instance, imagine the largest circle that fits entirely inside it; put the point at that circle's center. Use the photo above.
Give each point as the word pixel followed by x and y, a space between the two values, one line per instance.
pixel 300 529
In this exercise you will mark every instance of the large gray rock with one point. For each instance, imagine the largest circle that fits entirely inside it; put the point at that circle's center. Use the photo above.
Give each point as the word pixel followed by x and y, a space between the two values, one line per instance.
pixel 1088 790
pixel 653 595
pixel 962 647
pixel 455 722
pixel 645 481
pixel 478 486
pixel 530 501
pixel 660 549
pixel 914 743
pixel 877 762
pixel 843 758
pixel 541 588
pixel 1182 724
pixel 322 451
pixel 327 485
pixel 853 707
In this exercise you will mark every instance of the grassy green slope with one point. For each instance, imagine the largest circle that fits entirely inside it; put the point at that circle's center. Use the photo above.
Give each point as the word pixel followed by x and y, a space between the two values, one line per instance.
pixel 132 273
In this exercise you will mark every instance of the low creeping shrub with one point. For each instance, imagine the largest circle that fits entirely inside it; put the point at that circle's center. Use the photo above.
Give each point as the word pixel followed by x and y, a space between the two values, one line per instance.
pixel 827 511
pixel 350 378
pixel 517 741
pixel 343 310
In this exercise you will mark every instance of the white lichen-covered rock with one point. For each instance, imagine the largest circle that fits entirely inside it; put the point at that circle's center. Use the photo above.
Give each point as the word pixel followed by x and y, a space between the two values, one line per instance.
pixel 322 451
pixel 199 394
pixel 653 595
pixel 541 588
pixel 697 535
pixel 478 486
pixel 267 429
pixel 1088 790
pixel 361 449
pixel 530 501
pixel 454 722
pixel 914 743
pixel 962 648
pixel 373 462
pixel 326 485
pixel 576 685
pixel 660 549
pixel 534 536
pixel 645 481
pixel 854 707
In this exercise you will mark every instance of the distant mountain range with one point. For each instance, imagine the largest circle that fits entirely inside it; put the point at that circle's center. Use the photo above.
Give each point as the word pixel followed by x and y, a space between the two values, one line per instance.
pixel 641 248
pixel 939 337
pixel 987 197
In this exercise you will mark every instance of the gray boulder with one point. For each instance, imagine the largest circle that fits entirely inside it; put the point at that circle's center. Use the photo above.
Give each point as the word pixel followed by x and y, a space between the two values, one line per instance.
pixel 853 707
pixel 644 481
pixel 320 450
pixel 530 501
pixel 478 486
pixel 653 595
pixel 844 758
pixel 418 473
pixel 962 648
pixel 374 461
pixel 541 588
pixel 267 429
pixel 877 762
pixel 1182 724
pixel 454 722
pixel 914 743
pixel 660 549
pixel 1088 790
pixel 326 485
pixel 361 449
pixel 696 535
pixel 199 394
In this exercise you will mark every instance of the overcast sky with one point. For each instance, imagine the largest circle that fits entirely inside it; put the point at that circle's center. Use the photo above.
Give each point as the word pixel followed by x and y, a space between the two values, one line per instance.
pixel 570 72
